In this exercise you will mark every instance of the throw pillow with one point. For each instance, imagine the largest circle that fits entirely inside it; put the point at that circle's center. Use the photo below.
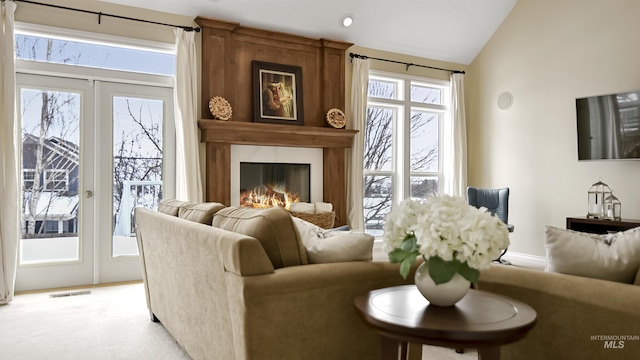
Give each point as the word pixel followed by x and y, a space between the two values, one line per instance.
pixel 171 206
pixel 273 227
pixel 327 246
pixel 614 257
pixel 201 213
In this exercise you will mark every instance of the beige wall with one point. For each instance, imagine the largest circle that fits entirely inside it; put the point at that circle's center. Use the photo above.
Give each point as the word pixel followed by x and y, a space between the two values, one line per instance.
pixel 547 53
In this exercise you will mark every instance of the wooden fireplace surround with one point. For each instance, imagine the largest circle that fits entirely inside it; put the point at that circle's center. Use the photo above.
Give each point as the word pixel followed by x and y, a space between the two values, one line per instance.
pixel 227 52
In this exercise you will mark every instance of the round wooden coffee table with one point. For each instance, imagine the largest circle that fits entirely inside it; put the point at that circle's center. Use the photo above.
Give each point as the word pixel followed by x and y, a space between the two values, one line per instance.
pixel 480 320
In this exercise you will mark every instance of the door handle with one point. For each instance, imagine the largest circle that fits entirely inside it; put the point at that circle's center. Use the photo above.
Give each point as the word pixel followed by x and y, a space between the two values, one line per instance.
pixel 88 194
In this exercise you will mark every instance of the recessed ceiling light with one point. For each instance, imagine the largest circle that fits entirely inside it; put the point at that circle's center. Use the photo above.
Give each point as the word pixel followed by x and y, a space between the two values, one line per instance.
pixel 346 21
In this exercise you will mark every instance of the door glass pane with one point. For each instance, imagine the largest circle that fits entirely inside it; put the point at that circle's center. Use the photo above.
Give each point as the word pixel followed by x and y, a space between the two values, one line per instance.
pixel 424 141
pixel 377 202
pixel 137 165
pixel 50 169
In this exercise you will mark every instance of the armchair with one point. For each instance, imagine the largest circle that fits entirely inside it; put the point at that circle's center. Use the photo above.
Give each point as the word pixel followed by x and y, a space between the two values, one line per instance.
pixel 497 202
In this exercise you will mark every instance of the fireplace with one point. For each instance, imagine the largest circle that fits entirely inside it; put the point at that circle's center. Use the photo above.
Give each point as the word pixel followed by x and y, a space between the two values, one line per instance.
pixel 267 176
pixel 265 185
pixel 324 148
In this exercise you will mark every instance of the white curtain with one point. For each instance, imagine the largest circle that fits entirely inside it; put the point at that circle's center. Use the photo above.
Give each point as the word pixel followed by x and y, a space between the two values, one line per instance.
pixel 359 92
pixel 188 180
pixel 10 144
pixel 455 138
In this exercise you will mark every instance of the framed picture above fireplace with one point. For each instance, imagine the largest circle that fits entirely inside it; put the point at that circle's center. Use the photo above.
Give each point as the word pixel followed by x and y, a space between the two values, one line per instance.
pixel 277 93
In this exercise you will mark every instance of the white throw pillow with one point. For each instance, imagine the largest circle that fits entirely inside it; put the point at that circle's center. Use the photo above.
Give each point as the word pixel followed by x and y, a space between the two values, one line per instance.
pixel 614 257
pixel 327 246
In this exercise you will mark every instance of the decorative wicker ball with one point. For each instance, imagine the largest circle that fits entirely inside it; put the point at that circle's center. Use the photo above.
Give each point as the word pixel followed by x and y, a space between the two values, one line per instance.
pixel 220 108
pixel 336 118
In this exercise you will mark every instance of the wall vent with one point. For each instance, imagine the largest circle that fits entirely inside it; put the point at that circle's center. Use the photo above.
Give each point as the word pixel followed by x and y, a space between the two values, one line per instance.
pixel 71 293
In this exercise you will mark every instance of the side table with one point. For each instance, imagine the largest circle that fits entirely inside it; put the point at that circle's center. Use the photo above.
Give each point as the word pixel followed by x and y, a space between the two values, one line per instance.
pixel 480 320
pixel 600 226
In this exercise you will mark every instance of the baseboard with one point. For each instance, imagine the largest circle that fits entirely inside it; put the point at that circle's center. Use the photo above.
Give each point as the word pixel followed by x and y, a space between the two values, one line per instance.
pixel 526 260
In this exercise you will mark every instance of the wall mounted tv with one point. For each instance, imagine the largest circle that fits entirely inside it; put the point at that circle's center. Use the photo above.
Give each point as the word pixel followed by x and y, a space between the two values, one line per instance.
pixel 609 126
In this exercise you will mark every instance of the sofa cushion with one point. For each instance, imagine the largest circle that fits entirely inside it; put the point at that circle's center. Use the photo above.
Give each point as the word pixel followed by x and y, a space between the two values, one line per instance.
pixel 273 227
pixel 327 246
pixel 614 257
pixel 171 206
pixel 201 213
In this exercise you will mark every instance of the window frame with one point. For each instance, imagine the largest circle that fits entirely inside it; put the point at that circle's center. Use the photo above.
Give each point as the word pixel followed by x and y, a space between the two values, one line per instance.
pixel 52 181
pixel 400 171
pixel 30 179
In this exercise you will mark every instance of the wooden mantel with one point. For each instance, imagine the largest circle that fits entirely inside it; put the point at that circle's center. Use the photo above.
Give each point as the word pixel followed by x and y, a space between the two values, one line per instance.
pixel 220 135
pixel 275 135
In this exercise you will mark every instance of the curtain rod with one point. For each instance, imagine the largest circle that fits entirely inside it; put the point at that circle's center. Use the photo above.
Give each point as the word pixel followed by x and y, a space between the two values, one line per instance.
pixel 352 55
pixel 101 14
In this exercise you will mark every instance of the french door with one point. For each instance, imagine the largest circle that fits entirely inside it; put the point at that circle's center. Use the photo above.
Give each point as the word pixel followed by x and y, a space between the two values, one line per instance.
pixel 91 151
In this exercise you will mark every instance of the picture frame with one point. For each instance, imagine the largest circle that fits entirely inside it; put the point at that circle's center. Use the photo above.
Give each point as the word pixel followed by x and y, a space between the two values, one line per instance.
pixel 277 93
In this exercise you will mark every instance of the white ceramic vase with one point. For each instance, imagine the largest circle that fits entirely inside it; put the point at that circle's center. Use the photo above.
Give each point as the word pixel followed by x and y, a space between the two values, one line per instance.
pixel 446 294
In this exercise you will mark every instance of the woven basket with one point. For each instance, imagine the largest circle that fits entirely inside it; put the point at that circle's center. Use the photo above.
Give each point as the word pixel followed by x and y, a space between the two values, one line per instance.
pixel 325 220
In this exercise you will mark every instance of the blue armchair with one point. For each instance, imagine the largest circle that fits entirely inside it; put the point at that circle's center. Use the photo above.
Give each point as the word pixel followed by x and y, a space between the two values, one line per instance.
pixel 496 201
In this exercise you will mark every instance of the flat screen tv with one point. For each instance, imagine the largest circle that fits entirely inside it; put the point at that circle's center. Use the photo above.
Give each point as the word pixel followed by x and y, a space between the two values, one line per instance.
pixel 609 126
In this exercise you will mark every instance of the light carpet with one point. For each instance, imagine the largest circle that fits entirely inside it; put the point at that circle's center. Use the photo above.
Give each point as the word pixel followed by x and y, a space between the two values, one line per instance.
pixel 111 323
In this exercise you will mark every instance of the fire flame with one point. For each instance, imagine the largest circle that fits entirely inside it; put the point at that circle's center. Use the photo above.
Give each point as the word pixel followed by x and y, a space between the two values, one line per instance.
pixel 267 196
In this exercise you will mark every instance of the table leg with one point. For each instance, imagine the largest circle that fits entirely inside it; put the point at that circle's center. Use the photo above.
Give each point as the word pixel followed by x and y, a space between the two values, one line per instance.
pixel 489 353
pixel 392 349
pixel 415 351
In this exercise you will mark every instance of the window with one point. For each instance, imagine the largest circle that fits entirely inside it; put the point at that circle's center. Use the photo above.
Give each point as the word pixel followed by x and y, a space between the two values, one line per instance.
pixel 28 177
pixel 402 154
pixel 33 46
pixel 56 179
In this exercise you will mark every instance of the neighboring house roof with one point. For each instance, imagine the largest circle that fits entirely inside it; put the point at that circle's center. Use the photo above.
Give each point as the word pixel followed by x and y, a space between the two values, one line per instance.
pixel 57 145
pixel 53 206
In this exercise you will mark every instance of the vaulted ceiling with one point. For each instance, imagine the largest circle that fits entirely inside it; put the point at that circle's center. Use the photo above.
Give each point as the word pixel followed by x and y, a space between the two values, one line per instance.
pixel 446 30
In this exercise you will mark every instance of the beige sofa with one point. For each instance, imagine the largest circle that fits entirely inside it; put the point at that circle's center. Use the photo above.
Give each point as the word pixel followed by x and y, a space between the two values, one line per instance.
pixel 575 314
pixel 243 288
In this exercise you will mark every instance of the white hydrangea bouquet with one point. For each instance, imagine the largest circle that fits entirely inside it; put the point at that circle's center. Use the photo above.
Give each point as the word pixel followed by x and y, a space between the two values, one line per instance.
pixel 452 236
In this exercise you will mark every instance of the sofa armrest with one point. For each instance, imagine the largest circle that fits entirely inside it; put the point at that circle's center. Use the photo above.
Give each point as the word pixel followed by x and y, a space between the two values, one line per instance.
pixel 308 311
pixel 245 257
pixel 572 312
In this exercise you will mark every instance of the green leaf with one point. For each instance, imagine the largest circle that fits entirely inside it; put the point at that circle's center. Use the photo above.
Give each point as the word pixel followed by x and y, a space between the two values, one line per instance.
pixel 397 255
pixel 442 271
pixel 406 255
pixel 410 243
pixel 468 273
pixel 405 265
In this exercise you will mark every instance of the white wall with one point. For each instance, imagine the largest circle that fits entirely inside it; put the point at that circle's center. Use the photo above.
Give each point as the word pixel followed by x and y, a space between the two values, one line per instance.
pixel 547 53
